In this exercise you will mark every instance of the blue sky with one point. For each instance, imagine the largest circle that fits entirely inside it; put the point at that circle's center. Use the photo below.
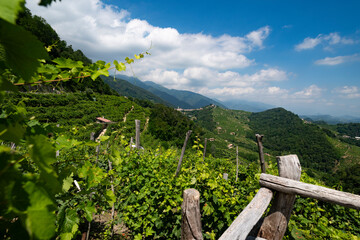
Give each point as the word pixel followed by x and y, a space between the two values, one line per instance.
pixel 301 55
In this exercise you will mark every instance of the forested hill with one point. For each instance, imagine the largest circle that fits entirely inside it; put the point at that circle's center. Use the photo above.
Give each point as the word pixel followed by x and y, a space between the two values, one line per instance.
pixel 178 98
pixel 286 133
pixel 125 88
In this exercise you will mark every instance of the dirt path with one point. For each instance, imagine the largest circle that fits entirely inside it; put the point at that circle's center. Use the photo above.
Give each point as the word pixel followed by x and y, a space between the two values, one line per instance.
pixel 132 108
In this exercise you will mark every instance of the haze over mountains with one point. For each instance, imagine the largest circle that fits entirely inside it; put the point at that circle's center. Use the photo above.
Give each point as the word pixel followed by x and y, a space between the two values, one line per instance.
pixel 147 90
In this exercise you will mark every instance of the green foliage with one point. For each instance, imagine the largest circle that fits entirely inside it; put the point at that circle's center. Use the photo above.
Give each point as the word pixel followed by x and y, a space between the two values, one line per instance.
pixel 285 133
pixel 170 125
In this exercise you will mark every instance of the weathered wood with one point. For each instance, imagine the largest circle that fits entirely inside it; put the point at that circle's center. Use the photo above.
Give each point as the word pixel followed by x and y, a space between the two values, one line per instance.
pixel 182 153
pixel 243 224
pixel 204 154
pixel 92 136
pixel 261 152
pixel 137 134
pixel 275 224
pixel 191 217
pixel 308 190
pixel 237 163
pixel 225 176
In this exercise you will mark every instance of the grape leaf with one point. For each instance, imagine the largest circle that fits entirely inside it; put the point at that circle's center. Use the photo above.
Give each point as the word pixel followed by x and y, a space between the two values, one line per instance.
pixel 119 66
pixel 20 50
pixel 40 221
pixel 10 9
pixel 43 154
pixel 68 63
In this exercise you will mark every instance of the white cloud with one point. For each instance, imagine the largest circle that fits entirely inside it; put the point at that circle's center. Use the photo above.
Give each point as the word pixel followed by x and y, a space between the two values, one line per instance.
pixel 308 43
pixel 105 32
pixel 348 92
pixel 326 40
pixel 310 92
pixel 331 61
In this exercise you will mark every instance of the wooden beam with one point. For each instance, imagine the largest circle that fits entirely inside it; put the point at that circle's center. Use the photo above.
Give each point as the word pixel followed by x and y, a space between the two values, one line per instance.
pixel 308 190
pixel 242 225
pixel 190 216
pixel 275 224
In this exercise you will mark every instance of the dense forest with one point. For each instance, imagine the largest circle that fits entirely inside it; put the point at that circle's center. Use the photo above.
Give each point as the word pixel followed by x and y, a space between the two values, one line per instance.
pixel 286 133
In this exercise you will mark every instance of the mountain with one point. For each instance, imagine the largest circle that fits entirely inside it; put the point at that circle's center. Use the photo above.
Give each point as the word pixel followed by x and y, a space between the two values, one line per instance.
pixel 161 94
pixel 179 98
pixel 331 119
pixel 247 105
pixel 125 88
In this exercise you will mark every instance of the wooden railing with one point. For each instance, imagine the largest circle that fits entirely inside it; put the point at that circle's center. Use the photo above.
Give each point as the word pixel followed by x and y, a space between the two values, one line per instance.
pixel 250 221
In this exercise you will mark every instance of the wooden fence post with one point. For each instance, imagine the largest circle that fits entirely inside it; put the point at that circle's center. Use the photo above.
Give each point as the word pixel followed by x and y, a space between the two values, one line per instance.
pixel 225 176
pixel 182 152
pixel 261 152
pixel 92 136
pixel 190 216
pixel 137 136
pixel 275 224
pixel 204 154
pixel 237 163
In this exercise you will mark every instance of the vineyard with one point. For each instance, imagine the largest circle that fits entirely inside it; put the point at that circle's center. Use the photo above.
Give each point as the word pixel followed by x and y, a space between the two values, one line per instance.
pixel 56 182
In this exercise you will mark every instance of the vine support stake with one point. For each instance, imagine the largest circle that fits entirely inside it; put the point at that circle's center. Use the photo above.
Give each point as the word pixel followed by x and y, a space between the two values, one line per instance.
pixel 204 154
pixel 137 134
pixel 237 163
pixel 183 152
pixel 92 136
pixel 190 215
pixel 275 224
pixel 261 152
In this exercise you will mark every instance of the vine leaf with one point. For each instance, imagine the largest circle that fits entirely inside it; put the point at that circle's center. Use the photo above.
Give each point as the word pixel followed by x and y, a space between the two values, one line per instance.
pixel 68 63
pixel 69 225
pixel 10 9
pixel 40 221
pixel 20 50
pixel 119 66
pixel 43 154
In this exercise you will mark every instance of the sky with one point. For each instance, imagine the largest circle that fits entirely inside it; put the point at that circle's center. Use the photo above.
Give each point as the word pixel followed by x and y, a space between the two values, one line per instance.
pixel 300 55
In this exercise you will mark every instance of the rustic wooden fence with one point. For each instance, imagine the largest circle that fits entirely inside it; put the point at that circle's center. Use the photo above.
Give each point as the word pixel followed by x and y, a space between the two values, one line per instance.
pixel 250 224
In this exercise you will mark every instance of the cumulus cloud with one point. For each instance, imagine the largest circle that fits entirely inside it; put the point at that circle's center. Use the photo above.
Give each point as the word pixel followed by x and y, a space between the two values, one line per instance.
pixel 105 32
pixel 348 92
pixel 326 40
pixel 331 61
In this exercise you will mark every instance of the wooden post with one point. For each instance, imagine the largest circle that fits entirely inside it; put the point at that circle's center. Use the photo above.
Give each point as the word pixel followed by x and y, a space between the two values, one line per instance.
pixel 92 136
pixel 190 216
pixel 237 163
pixel 275 224
pixel 261 152
pixel 137 136
pixel 97 151
pixel 182 152
pixel 204 154
pixel 225 176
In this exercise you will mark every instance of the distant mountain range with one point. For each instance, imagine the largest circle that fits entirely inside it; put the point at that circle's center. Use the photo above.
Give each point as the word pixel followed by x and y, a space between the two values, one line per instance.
pixel 247 105
pixel 176 98
pixel 134 87
pixel 331 119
